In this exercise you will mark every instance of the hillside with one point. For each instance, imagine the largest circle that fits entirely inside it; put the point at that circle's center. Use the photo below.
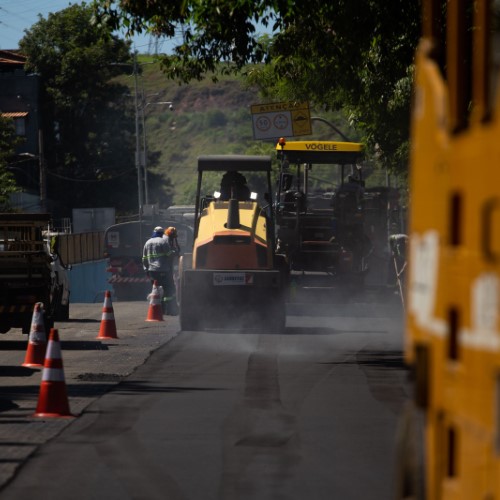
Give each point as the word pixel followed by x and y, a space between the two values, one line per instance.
pixel 208 118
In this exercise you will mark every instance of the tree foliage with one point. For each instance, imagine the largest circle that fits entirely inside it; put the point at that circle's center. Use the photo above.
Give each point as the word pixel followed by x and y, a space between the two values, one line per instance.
pixel 87 119
pixel 8 141
pixel 350 54
pixel 355 55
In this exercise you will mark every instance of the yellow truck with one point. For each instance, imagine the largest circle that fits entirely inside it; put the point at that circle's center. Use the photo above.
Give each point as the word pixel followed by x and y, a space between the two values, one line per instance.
pixel 449 446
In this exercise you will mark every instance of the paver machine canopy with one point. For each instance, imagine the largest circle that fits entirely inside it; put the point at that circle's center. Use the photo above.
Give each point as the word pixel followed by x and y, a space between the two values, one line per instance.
pixel 319 215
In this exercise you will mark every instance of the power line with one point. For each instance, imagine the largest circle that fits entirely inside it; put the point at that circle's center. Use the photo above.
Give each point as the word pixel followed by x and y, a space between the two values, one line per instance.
pixel 71 179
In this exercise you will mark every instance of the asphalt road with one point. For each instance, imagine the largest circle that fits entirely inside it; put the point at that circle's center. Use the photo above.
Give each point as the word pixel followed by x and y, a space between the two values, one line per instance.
pixel 230 414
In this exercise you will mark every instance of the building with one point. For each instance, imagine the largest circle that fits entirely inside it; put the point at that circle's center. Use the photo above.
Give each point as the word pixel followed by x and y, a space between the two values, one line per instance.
pixel 19 100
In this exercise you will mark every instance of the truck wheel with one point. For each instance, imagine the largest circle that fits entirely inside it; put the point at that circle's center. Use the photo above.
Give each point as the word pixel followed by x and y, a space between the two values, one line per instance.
pixel 410 468
pixel 63 312
pixel 49 323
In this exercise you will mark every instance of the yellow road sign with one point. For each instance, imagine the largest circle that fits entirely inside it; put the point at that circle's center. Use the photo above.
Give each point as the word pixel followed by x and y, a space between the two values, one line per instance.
pixel 280 119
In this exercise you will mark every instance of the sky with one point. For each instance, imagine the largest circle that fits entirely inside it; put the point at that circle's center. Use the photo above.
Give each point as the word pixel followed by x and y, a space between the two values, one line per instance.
pixel 18 15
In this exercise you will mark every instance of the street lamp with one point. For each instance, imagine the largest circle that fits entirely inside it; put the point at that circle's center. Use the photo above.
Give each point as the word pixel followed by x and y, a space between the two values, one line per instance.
pixel 331 125
pixel 42 174
pixel 137 139
pixel 144 143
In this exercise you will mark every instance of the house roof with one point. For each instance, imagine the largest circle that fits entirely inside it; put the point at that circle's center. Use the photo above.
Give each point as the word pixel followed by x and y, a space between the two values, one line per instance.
pixel 15 114
pixel 12 58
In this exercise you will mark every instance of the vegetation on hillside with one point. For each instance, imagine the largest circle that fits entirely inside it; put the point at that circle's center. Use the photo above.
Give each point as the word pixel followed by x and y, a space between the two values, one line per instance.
pixel 208 118
pixel 353 55
pixel 89 82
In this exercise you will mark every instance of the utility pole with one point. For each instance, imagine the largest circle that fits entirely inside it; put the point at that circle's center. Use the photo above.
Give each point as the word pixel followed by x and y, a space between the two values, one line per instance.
pixel 137 153
pixel 144 141
pixel 137 141
pixel 144 149
pixel 43 174
pixel 142 179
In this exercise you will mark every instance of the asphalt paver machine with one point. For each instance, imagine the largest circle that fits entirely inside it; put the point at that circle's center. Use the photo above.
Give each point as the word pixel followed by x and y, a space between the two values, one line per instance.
pixel 320 209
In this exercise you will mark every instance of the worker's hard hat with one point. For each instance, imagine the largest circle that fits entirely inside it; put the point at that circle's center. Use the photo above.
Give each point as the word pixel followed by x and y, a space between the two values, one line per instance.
pixel 171 231
pixel 158 229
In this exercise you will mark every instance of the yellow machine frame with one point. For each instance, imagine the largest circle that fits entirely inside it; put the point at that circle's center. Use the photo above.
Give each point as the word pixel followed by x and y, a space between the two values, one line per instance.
pixel 453 327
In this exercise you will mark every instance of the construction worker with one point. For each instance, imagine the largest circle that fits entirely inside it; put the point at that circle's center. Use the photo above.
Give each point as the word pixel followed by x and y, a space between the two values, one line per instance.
pixel 171 236
pixel 157 263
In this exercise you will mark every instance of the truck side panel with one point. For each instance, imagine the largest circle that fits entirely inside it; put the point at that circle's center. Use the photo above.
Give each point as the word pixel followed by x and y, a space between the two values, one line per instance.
pixel 25 277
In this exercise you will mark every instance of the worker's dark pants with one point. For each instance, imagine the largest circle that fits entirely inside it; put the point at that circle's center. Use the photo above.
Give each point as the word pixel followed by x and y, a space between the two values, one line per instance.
pixel 166 280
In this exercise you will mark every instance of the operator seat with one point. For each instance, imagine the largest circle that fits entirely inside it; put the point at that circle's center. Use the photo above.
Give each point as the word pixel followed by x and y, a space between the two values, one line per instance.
pixel 293 201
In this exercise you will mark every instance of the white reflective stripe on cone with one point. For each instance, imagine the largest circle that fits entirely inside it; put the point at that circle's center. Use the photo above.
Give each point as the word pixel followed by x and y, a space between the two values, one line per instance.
pixel 53 375
pixel 108 316
pixel 53 350
pixel 37 337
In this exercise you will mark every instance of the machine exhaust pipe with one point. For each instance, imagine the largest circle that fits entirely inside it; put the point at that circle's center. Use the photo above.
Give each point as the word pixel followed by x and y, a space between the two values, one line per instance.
pixel 233 214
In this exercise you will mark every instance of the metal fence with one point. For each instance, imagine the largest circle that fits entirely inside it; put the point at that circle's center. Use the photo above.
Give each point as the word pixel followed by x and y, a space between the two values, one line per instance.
pixel 81 247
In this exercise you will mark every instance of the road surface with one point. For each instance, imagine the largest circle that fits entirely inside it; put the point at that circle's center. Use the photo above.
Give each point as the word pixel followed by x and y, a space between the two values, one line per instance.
pixel 312 413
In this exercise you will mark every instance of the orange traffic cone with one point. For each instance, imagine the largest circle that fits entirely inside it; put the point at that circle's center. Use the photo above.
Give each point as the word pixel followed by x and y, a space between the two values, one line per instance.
pixel 108 325
pixel 37 343
pixel 53 399
pixel 155 312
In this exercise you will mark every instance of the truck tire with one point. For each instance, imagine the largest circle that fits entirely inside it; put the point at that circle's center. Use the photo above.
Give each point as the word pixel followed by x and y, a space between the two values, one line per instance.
pixel 410 453
pixel 26 327
pixel 60 311
pixel 49 323
pixel 63 312
pixel 4 327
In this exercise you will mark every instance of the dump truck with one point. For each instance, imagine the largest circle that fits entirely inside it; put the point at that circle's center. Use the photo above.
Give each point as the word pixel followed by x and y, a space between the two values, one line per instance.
pixel 29 272
pixel 233 277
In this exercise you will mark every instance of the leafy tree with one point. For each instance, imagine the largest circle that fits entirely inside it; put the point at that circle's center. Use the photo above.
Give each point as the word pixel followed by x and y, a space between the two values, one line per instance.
pixel 351 54
pixel 8 141
pixel 87 118
pixel 356 55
